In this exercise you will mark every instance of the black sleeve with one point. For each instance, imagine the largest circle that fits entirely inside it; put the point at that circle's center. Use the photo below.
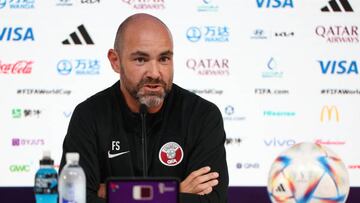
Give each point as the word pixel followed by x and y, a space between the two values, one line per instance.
pixel 209 150
pixel 81 138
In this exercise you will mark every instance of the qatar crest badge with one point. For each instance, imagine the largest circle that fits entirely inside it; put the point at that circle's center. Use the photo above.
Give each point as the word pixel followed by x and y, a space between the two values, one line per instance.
pixel 171 154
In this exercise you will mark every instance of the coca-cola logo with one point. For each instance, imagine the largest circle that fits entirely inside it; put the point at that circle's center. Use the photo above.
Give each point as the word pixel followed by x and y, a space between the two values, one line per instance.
pixel 19 67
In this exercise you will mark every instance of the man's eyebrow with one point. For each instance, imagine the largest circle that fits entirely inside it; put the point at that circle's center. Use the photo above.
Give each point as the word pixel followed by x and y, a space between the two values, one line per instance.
pixel 167 53
pixel 139 53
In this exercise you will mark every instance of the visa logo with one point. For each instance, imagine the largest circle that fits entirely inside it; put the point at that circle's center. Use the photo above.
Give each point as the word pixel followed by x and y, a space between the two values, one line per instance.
pixel 339 67
pixel 279 142
pixel 274 3
pixel 16 34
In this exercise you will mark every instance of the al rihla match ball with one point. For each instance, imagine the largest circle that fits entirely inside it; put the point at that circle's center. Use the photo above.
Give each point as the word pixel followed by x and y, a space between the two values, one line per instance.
pixel 308 173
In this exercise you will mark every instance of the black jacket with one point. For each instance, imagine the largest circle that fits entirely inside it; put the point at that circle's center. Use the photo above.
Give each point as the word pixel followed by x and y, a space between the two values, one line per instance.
pixel 103 125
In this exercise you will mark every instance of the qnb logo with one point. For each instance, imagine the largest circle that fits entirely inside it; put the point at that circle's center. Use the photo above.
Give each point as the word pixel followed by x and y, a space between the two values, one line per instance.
pixel 79 67
pixel 338 33
pixel 214 67
pixel 274 142
pixel 341 67
pixel 17 142
pixel 16 34
pixel 23 67
pixel 19 168
pixel 146 4
pixel 17 4
pixel 343 5
pixel 208 34
pixel 331 113
pixel 76 39
pixel 247 165
pixel 275 3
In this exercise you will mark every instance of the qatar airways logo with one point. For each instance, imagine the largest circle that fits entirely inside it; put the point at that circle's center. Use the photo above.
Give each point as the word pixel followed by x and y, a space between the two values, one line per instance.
pixel 146 4
pixel 338 33
pixel 19 67
pixel 209 67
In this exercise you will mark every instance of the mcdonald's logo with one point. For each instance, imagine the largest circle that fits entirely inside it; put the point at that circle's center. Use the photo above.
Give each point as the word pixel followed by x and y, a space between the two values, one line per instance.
pixel 328 112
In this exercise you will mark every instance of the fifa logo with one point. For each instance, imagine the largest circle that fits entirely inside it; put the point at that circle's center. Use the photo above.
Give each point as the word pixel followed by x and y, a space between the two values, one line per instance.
pixel 329 113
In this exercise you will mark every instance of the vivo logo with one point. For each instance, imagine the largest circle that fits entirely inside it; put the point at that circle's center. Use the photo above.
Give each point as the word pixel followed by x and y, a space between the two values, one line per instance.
pixel 274 3
pixel 16 34
pixel 339 67
pixel 279 142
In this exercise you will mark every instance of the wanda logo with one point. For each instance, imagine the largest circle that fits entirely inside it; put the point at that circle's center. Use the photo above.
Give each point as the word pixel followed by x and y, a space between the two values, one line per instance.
pixel 19 67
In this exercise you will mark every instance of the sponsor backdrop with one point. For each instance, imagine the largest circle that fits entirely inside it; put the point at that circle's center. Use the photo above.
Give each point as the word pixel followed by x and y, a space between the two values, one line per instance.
pixel 280 71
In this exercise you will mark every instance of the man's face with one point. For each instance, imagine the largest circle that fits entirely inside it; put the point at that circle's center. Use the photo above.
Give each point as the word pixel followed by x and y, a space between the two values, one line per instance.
pixel 146 60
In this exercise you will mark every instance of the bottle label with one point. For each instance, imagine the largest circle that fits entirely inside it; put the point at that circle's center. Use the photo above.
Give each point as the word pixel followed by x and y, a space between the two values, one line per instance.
pixel 68 201
pixel 46 184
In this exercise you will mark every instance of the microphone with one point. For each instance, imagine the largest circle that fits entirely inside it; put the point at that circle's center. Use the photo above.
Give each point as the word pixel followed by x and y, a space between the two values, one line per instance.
pixel 143 112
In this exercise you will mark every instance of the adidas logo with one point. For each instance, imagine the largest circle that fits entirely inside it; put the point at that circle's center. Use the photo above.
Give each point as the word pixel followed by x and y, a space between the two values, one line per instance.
pixel 335 6
pixel 280 188
pixel 75 37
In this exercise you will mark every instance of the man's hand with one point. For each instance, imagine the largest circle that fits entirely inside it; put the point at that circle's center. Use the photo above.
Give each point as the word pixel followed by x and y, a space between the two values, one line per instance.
pixel 200 182
pixel 102 191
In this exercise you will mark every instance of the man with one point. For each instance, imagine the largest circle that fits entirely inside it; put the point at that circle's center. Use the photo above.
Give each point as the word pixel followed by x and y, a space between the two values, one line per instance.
pixel 185 133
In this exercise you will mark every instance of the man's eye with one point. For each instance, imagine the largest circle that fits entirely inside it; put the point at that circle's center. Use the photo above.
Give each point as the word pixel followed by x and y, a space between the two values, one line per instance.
pixel 164 59
pixel 140 60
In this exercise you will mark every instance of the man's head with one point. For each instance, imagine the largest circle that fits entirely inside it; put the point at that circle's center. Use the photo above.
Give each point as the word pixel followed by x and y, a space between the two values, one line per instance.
pixel 143 56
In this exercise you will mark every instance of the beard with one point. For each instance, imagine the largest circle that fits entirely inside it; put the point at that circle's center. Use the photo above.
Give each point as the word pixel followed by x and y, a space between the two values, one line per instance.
pixel 144 95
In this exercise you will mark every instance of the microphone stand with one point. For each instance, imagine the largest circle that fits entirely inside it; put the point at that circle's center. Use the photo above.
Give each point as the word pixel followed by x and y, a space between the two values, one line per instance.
pixel 143 112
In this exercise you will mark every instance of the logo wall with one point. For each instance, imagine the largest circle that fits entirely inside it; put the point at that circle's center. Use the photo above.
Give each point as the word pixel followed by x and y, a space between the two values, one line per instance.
pixel 269 75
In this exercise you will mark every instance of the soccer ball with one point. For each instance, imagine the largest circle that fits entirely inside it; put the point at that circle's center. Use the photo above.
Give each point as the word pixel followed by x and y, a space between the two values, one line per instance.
pixel 308 173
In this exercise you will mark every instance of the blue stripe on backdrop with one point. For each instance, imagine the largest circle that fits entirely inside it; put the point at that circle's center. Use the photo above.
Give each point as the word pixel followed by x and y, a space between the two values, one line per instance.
pixel 236 195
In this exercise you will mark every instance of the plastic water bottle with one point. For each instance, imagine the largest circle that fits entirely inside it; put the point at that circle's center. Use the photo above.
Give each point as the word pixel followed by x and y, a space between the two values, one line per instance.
pixel 46 181
pixel 72 181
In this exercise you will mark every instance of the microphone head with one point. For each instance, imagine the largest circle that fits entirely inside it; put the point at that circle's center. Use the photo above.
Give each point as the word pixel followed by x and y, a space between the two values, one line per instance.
pixel 143 109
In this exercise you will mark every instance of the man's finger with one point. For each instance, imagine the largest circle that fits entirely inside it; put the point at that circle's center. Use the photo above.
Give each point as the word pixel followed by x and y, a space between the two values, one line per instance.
pixel 205 178
pixel 206 191
pixel 205 186
pixel 196 173
pixel 102 191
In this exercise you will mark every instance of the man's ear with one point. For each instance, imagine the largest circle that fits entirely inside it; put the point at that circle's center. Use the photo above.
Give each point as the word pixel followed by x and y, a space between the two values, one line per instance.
pixel 114 59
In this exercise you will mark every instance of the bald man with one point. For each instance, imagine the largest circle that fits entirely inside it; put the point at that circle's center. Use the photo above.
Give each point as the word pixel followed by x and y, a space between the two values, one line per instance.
pixel 185 133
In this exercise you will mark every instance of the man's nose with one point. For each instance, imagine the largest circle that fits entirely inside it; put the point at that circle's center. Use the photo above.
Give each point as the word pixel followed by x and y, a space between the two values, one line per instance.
pixel 153 70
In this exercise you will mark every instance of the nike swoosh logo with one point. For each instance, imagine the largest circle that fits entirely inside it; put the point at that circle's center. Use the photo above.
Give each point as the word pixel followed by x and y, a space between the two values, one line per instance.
pixel 117 154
